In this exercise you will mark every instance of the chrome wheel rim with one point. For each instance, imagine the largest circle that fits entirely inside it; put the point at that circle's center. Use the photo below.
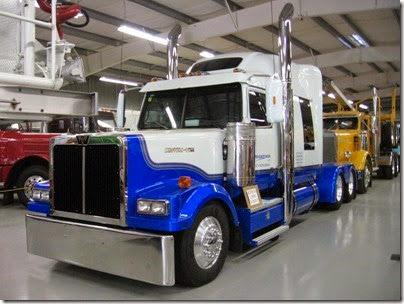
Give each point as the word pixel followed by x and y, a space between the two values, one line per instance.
pixel 393 168
pixel 351 184
pixel 367 176
pixel 29 184
pixel 208 242
pixel 339 188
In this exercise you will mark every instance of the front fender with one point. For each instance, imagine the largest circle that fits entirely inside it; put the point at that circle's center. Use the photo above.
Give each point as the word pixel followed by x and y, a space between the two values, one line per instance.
pixel 358 158
pixel 202 195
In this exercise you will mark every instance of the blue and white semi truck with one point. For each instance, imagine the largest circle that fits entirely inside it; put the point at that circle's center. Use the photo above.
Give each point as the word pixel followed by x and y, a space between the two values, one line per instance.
pixel 221 159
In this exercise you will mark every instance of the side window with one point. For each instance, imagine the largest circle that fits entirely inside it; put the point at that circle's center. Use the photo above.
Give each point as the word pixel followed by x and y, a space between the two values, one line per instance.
pixel 307 118
pixel 257 108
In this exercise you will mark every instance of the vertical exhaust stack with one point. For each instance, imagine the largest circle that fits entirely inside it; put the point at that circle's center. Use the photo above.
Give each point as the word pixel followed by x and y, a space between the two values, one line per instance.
pixel 172 52
pixel 375 125
pixel 285 56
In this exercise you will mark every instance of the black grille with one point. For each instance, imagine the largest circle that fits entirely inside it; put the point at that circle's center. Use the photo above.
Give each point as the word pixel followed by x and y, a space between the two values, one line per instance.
pixel 102 183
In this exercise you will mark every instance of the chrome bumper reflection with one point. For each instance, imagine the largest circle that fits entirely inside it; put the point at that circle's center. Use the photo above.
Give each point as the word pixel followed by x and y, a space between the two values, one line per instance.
pixel 132 254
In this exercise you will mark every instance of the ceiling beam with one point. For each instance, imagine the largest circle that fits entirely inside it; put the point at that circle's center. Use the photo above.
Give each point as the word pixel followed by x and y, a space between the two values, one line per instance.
pixel 392 66
pixel 167 11
pixel 248 18
pixel 367 79
pixel 386 92
pixel 357 55
pixel 91 36
pixel 331 30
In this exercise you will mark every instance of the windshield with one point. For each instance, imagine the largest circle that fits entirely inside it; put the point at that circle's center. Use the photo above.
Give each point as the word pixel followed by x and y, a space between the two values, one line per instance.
pixel 340 123
pixel 204 107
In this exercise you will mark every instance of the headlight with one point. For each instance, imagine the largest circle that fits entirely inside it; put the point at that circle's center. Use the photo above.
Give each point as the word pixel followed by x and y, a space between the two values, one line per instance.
pixel 152 207
pixel 40 195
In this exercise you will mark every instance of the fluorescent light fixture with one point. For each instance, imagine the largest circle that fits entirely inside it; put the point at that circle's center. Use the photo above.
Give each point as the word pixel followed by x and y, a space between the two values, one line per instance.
pixel 350 101
pixel 206 54
pixel 295 98
pixel 363 106
pixel 134 32
pixel 331 95
pixel 358 40
pixel 120 81
pixel 323 92
pixel 344 42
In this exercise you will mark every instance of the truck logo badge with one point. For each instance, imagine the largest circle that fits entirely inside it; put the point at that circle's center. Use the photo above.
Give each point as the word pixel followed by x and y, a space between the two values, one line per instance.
pixel 83 139
pixel 179 150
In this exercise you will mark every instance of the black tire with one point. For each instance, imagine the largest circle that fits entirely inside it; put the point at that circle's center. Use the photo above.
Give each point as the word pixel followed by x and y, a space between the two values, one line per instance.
pixel 363 185
pixel 395 163
pixel 187 270
pixel 389 171
pixel 350 188
pixel 387 136
pixel 23 180
pixel 338 197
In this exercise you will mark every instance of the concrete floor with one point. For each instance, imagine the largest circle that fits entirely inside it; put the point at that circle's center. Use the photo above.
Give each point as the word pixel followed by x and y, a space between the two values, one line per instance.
pixel 340 255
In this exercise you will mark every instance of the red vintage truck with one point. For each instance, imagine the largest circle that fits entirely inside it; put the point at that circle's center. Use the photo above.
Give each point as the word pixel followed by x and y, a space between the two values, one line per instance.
pixel 24 152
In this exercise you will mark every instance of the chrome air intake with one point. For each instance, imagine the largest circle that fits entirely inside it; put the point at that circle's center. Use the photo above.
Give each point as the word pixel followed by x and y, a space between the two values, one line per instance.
pixel 285 56
pixel 240 140
pixel 172 52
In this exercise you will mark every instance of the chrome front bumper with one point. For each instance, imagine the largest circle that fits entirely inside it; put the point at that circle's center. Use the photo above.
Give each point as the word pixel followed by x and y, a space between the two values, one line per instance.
pixel 132 254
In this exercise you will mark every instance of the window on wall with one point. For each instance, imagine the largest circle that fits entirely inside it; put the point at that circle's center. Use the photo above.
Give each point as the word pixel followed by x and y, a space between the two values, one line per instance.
pixel 307 118
pixel 257 108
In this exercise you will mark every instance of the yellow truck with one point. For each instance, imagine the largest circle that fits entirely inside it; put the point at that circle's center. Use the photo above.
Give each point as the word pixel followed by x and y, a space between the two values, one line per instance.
pixel 363 139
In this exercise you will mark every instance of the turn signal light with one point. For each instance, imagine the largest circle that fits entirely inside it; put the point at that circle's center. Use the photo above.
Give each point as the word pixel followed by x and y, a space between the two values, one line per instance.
pixel 181 75
pixel 184 182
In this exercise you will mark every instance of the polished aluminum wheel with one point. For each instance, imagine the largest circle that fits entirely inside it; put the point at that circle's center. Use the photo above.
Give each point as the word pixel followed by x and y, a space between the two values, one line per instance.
pixel 339 188
pixel 368 176
pixel 29 184
pixel 208 242
pixel 351 184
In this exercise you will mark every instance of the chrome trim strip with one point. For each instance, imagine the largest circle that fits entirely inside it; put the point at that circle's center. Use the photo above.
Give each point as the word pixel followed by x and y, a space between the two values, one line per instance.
pixel 83 179
pixel 133 254
pixel 87 217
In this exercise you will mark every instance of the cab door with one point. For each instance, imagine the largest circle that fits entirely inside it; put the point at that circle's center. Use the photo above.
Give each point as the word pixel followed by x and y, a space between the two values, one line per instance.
pixel 267 136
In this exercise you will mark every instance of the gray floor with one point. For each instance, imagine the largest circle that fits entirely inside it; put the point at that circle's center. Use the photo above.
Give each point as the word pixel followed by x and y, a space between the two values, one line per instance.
pixel 340 255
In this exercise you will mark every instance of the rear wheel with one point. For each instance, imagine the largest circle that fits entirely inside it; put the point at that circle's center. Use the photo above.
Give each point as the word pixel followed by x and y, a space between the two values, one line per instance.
pixel 27 179
pixel 202 249
pixel 339 193
pixel 389 170
pixel 395 163
pixel 364 183
pixel 350 188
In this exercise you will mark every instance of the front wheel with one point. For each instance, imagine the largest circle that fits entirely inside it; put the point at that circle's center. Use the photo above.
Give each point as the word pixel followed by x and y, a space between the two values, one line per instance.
pixel 26 181
pixel 202 249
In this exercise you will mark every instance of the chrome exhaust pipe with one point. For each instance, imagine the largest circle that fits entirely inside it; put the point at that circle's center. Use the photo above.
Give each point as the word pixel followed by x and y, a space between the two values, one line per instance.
pixel 172 52
pixel 375 125
pixel 285 56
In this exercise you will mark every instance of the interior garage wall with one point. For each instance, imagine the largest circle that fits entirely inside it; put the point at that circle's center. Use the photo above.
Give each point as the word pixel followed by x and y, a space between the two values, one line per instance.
pixel 107 93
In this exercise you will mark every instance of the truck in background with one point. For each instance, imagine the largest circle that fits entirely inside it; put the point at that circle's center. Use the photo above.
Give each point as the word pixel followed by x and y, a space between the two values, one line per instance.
pixel 222 158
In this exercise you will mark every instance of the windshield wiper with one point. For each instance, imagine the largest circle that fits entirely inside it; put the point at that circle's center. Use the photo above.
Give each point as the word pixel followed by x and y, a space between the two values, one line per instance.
pixel 160 125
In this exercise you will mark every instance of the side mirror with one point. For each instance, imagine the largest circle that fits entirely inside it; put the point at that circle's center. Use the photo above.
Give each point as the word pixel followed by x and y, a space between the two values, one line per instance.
pixel 274 99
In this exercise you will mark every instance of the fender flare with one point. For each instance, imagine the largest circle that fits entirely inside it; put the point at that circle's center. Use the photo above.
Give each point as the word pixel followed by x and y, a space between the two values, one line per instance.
pixel 359 159
pixel 201 196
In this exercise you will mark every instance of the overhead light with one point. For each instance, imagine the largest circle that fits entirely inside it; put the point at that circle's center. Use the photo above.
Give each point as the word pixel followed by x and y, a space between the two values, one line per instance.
pixel 358 40
pixel 78 15
pixel 363 106
pixel 206 54
pixel 120 81
pixel 331 95
pixel 350 101
pixel 323 92
pixel 134 32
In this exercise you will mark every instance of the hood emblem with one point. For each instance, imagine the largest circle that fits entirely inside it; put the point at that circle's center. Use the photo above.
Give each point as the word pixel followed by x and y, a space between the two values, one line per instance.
pixel 83 139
